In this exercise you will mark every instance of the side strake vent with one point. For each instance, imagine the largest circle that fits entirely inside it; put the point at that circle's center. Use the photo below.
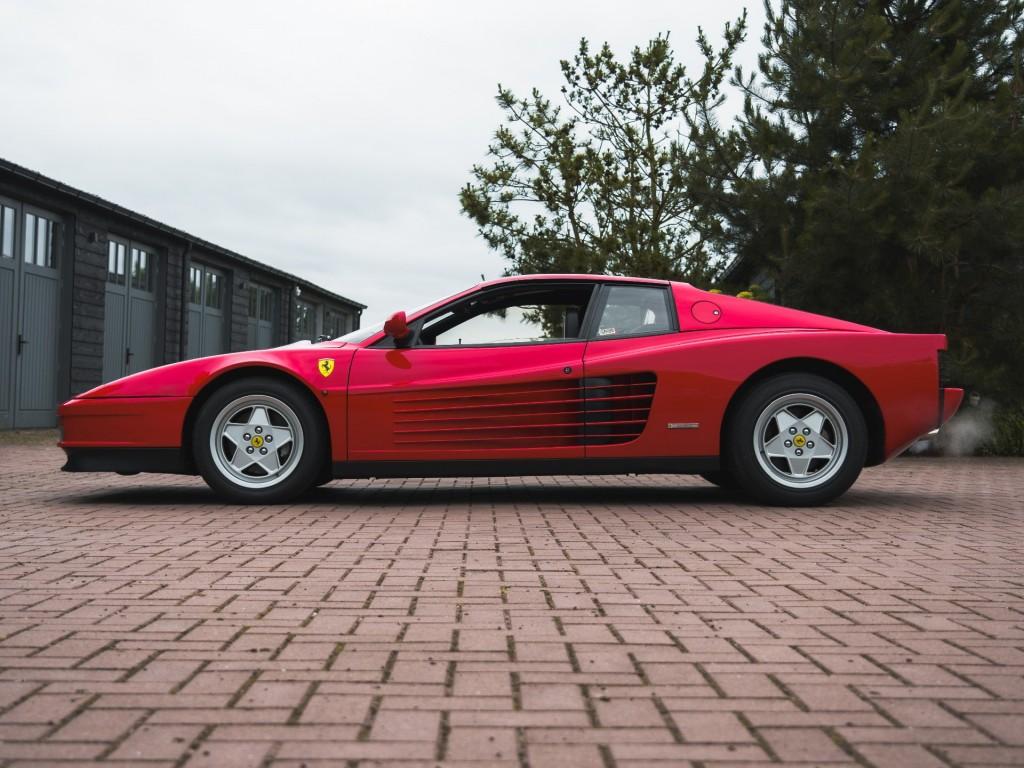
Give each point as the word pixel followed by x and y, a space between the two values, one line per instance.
pixel 616 407
pixel 561 413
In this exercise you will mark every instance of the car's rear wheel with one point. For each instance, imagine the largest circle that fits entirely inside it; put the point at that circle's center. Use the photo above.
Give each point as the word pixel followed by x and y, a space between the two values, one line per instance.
pixel 796 439
pixel 259 441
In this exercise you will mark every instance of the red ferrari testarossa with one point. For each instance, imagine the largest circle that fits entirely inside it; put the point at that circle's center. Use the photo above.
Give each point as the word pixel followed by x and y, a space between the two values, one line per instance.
pixel 546 374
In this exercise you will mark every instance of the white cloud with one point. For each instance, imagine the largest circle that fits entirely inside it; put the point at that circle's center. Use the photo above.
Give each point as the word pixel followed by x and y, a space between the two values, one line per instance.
pixel 326 138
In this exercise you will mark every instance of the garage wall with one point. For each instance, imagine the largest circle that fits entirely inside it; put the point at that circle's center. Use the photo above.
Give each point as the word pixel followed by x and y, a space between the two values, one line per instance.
pixel 86 230
pixel 87 305
pixel 92 235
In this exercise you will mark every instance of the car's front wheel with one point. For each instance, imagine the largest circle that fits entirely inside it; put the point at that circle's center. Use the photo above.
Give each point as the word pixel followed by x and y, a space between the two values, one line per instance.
pixel 259 441
pixel 796 439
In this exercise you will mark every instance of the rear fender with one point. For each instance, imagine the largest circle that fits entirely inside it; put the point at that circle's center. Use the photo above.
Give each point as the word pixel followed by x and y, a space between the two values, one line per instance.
pixel 700 374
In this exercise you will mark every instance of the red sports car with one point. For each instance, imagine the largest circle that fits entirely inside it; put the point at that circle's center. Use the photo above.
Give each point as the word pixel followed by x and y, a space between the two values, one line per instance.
pixel 546 374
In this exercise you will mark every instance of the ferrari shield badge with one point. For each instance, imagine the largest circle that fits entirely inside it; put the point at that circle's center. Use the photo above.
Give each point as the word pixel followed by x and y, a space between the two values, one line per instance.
pixel 325 366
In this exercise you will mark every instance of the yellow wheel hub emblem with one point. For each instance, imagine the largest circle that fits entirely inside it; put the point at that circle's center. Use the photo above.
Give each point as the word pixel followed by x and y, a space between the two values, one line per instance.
pixel 257 441
pixel 799 441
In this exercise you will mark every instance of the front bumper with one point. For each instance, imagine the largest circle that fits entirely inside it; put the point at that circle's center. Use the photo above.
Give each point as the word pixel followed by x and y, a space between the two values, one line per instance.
pixel 126 461
pixel 123 422
pixel 124 434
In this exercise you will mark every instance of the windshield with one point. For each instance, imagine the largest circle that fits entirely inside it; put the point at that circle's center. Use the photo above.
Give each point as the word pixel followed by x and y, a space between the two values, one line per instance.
pixel 362 334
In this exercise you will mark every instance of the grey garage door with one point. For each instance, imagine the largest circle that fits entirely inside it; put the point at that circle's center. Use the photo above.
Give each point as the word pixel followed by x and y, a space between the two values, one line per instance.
pixel 206 301
pixel 29 318
pixel 336 323
pixel 129 323
pixel 305 320
pixel 261 317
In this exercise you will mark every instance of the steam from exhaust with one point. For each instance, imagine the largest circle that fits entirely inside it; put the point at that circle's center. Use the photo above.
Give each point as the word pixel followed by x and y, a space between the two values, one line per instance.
pixel 965 433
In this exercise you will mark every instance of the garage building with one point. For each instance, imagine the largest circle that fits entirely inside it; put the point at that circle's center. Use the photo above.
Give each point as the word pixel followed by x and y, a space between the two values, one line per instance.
pixel 91 291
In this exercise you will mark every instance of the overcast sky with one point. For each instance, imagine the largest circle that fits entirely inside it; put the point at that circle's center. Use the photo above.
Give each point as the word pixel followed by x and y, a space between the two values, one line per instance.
pixel 328 139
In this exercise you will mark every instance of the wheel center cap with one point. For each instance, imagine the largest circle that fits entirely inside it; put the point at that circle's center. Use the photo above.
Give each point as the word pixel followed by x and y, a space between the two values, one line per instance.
pixel 798 441
pixel 257 441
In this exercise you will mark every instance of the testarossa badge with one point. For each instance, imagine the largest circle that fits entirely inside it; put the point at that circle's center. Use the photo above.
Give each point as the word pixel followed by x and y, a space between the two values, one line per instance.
pixel 326 366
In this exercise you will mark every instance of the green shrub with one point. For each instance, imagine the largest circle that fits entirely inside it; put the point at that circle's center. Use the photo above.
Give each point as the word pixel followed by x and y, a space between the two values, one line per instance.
pixel 1007 433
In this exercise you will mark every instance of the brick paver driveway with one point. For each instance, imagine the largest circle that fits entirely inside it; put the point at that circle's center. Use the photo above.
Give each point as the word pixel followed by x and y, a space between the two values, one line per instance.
pixel 529 622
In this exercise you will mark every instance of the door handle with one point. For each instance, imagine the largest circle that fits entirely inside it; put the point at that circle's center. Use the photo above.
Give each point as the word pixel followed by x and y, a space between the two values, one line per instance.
pixel 127 355
pixel 22 341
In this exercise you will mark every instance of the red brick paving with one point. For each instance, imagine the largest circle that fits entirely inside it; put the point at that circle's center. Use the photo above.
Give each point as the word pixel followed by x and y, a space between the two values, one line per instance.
pixel 563 622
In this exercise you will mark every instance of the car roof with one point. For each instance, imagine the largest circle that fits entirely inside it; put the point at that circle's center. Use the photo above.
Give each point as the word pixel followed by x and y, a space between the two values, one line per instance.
pixel 571 276
pixel 372 339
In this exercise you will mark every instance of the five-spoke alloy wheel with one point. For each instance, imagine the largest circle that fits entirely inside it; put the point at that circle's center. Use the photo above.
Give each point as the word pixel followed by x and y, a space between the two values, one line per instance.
pixel 800 440
pixel 256 440
pixel 259 440
pixel 795 439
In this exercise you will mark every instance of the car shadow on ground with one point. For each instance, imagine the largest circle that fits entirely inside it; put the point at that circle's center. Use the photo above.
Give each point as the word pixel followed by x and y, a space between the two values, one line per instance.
pixel 418 496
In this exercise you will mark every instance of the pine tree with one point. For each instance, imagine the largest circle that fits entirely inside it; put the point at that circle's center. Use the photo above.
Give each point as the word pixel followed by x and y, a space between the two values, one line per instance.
pixel 877 171
pixel 600 183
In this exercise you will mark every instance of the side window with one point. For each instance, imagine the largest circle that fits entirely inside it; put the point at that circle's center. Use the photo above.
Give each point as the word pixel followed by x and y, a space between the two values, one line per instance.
pixel 634 310
pixel 261 302
pixel 142 269
pixel 195 283
pixel 39 241
pixel 523 315
pixel 130 264
pixel 267 304
pixel 305 320
pixel 214 292
pixel 115 262
pixel 7 218
pixel 335 323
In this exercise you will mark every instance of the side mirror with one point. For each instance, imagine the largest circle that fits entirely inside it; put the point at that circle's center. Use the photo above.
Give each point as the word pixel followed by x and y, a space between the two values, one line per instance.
pixel 397 327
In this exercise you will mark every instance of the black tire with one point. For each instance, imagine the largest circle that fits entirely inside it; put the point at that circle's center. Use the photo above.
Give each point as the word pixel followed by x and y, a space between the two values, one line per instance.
pixel 721 478
pixel 773 479
pixel 301 471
